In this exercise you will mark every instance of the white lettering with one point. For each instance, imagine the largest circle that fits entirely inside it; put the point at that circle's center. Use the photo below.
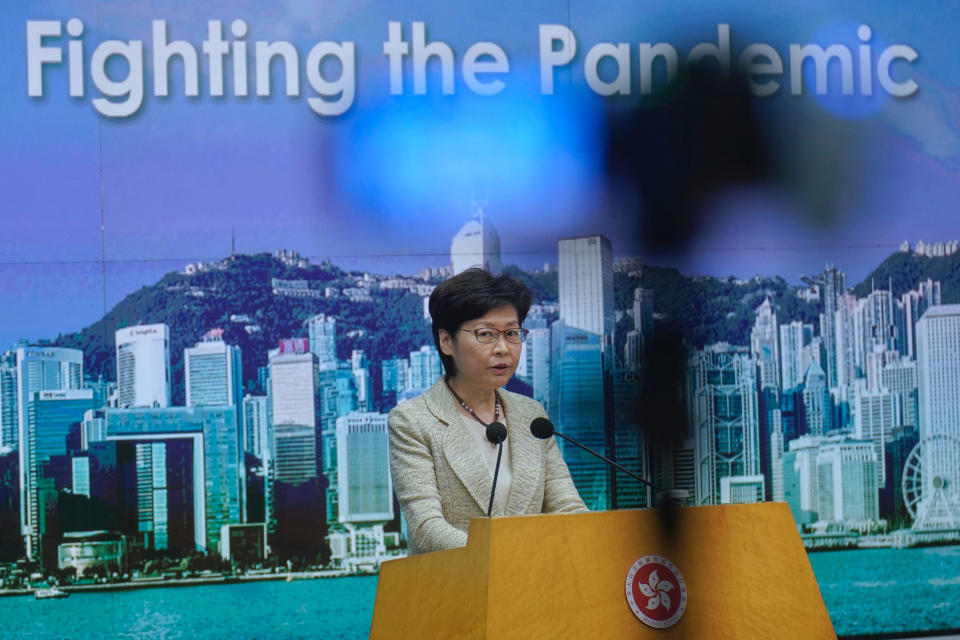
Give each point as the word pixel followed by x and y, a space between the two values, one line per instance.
pixel 422 52
pixel 344 86
pixel 719 51
pixel 620 53
pixel 239 30
pixel 264 54
pixel 650 53
pixel 162 52
pixel 131 87
pixel 395 48
pixel 761 60
pixel 894 88
pixel 472 65
pixel 75 58
pixel 216 48
pixel 551 57
pixel 821 58
pixel 39 55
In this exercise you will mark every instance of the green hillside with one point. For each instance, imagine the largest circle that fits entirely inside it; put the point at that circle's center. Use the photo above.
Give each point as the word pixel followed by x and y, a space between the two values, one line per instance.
pixel 906 270
pixel 391 325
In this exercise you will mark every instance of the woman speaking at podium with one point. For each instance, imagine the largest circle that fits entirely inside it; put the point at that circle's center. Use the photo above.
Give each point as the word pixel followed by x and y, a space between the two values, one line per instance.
pixel 441 461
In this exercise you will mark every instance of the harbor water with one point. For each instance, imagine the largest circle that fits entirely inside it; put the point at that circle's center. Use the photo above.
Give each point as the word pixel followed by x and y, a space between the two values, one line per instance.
pixel 867 591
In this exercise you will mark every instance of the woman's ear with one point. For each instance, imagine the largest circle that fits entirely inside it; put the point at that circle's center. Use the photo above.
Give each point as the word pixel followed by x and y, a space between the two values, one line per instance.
pixel 446 342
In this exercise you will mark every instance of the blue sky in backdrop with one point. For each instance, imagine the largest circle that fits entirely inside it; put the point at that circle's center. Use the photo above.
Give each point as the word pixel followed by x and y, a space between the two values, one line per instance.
pixel 96 207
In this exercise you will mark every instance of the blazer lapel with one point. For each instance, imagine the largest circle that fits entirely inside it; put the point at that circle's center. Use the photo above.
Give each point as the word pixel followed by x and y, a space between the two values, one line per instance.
pixel 526 456
pixel 458 448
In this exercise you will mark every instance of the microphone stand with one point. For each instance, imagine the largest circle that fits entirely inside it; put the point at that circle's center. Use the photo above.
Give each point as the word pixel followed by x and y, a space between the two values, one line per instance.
pixel 496 472
pixel 607 460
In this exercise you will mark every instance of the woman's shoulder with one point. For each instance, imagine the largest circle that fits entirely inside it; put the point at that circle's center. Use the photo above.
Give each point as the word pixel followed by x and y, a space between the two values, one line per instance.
pixel 410 406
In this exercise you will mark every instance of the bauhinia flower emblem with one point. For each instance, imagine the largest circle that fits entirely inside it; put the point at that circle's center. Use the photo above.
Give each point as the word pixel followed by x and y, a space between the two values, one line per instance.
pixel 670 593
pixel 657 590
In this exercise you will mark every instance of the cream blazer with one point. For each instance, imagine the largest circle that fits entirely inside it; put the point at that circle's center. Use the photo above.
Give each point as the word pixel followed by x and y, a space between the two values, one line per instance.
pixel 442 481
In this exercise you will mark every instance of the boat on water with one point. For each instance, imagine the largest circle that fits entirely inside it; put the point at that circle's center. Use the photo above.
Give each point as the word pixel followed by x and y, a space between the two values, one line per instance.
pixel 50 592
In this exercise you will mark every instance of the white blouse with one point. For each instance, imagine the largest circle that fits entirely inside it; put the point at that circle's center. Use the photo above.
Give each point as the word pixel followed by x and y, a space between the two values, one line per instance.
pixel 478 433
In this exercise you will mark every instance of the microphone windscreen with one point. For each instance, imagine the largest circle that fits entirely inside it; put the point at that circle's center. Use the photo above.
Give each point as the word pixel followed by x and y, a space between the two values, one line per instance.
pixel 541 428
pixel 496 432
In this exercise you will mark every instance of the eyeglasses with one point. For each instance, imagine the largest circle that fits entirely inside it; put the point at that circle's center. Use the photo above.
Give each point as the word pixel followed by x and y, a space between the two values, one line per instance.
pixel 490 336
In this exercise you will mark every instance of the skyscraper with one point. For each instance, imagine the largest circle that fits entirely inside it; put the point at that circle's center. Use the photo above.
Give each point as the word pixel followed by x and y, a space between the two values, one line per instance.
pixel 800 480
pixel 643 312
pixel 938 377
pixel 879 325
pixel 39 369
pixel 794 336
pixel 900 377
pixel 394 376
pixel 581 393
pixel 295 416
pixel 876 412
pixel 477 244
pixel 360 367
pixel 292 385
pixel 586 285
pixel 188 483
pixel 363 469
pixel 537 351
pixel 817 404
pixel 322 331
pixel 143 366
pixel 913 304
pixel 9 441
pixel 765 345
pixel 847 334
pixel 256 427
pixel 425 367
pixel 642 330
pixel 338 390
pixel 577 405
pixel 938 371
pixel 213 377
pixel 630 446
pixel 213 372
pixel 834 285
pixel 722 388
pixel 53 431
pixel 847 482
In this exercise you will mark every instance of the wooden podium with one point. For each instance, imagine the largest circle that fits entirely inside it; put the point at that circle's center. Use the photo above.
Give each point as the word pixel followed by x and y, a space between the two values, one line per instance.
pixel 564 576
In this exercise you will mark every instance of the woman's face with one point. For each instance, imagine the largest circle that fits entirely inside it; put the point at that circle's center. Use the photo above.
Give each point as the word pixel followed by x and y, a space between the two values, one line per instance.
pixel 484 365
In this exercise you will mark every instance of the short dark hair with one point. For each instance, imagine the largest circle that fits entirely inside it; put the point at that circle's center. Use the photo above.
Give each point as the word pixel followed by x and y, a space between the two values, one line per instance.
pixel 470 295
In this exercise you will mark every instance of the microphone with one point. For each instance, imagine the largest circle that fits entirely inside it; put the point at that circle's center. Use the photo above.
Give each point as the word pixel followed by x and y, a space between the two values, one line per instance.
pixel 543 429
pixel 496 433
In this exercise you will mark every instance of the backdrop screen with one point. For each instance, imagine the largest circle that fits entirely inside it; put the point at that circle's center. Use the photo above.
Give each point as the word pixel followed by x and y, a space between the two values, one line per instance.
pixel 223 221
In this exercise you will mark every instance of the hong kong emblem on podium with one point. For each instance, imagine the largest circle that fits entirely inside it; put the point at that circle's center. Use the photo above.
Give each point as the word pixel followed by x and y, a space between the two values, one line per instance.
pixel 656 591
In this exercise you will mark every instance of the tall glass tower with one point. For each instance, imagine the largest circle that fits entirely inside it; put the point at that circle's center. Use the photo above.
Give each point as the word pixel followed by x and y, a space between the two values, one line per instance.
pixel 39 369
pixel 322 331
pixel 582 360
pixel 577 404
pixel 722 394
pixel 53 430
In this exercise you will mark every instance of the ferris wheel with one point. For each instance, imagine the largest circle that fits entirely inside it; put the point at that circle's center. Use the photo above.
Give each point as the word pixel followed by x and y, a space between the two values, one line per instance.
pixel 931 483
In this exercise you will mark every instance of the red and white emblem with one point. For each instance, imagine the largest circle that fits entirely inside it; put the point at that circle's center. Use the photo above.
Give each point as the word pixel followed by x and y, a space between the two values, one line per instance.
pixel 656 591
